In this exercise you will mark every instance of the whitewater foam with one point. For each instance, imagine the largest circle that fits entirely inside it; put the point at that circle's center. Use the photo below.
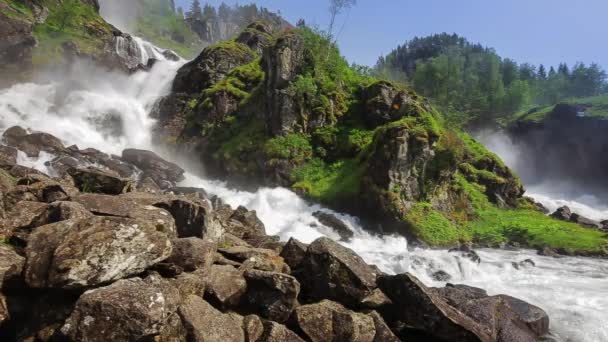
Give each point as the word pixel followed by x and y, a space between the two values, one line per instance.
pixel 573 291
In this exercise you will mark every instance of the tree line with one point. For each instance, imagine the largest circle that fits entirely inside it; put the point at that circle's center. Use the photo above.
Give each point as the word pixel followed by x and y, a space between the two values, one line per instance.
pixel 475 83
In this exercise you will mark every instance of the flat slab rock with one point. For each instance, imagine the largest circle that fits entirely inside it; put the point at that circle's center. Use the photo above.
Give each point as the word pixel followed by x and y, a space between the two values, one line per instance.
pixel 93 251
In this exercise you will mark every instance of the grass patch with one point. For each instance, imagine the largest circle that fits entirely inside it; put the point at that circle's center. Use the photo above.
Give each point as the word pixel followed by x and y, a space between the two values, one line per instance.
pixel 431 226
pixel 597 107
pixel 16 9
pixel 329 182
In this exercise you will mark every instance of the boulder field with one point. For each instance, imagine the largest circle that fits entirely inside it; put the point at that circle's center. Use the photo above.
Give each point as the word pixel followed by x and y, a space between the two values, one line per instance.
pixel 109 249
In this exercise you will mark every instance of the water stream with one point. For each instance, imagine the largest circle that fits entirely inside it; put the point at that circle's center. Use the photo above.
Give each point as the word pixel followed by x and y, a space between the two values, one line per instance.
pixel 110 111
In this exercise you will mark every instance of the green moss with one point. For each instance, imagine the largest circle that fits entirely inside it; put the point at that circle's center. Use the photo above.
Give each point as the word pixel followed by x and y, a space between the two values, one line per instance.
pixel 16 9
pixel 238 137
pixel 493 226
pixel 432 227
pixel 293 147
pixel 597 106
pixel 69 22
pixel 328 183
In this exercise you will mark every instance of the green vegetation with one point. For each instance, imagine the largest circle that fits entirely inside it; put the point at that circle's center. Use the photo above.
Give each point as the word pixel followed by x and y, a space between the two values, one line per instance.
pixel 596 106
pixel 328 183
pixel 16 9
pixel 330 163
pixel 71 22
pixel 471 82
pixel 161 25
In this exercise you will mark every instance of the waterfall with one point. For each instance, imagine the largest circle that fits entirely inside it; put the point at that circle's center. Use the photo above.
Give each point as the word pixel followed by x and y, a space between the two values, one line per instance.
pixel 110 112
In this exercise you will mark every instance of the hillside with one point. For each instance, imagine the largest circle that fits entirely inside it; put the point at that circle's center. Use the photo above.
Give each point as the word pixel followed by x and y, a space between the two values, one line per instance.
pixel 295 114
pixel 476 86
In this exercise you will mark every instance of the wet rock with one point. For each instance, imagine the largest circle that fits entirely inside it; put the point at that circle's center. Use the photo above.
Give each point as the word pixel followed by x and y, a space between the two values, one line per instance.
pixel 192 254
pixel 383 332
pixel 106 205
pixel 293 253
pixel 549 252
pixel 585 222
pixel 33 143
pixel 456 294
pixel 562 213
pixel 273 295
pixel 441 276
pixel 225 285
pixel 164 173
pixel 204 323
pixel 331 271
pixel 506 318
pixel 330 321
pixel 180 190
pixel 92 251
pixel 128 310
pixel 466 251
pixel 523 264
pixel 8 157
pixel 253 327
pixel 336 224
pixel 418 310
pixel 94 180
pixel 275 332
pixel 170 55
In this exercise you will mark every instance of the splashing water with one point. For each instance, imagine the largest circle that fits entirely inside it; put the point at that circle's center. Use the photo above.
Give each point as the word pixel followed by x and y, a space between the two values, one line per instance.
pixel 110 112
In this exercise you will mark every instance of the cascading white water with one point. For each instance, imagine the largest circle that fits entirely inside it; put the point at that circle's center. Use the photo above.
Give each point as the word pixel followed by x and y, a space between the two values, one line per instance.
pixel 110 112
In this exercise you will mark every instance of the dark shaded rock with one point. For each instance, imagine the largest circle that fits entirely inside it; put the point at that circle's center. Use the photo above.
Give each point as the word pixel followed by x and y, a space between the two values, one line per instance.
pixel 465 251
pixel 192 254
pixel 455 294
pixel 179 190
pixel 92 251
pixel 562 213
pixel 211 66
pixel 192 283
pixel 127 310
pixel 585 222
pixel 523 264
pixel 244 224
pixel 331 271
pixel 170 55
pixel 383 332
pixel 257 36
pixel 282 63
pixel 33 143
pixel 385 102
pixel 334 223
pixel 11 266
pixel 16 38
pixel 534 317
pixel 275 332
pixel 293 253
pixel 193 217
pixel 225 285
pixel 441 276
pixel 330 321
pixel 95 180
pixel 418 310
pixel 164 173
pixel 204 323
pixel 549 252
pixel 273 295
pixel 8 157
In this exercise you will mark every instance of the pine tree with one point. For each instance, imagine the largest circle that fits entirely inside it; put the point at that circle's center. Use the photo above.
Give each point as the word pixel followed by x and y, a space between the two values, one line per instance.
pixel 209 12
pixel 196 12
pixel 542 73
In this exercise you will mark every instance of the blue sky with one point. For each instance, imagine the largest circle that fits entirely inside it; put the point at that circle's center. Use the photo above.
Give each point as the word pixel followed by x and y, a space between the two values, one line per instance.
pixel 534 31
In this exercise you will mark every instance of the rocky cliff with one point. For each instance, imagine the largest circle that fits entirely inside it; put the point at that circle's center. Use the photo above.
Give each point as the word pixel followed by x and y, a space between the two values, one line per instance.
pixel 111 250
pixel 284 108
pixel 565 144
pixel 35 34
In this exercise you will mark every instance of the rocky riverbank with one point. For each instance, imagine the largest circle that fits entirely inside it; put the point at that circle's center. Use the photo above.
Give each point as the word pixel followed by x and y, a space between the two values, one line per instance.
pixel 110 249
